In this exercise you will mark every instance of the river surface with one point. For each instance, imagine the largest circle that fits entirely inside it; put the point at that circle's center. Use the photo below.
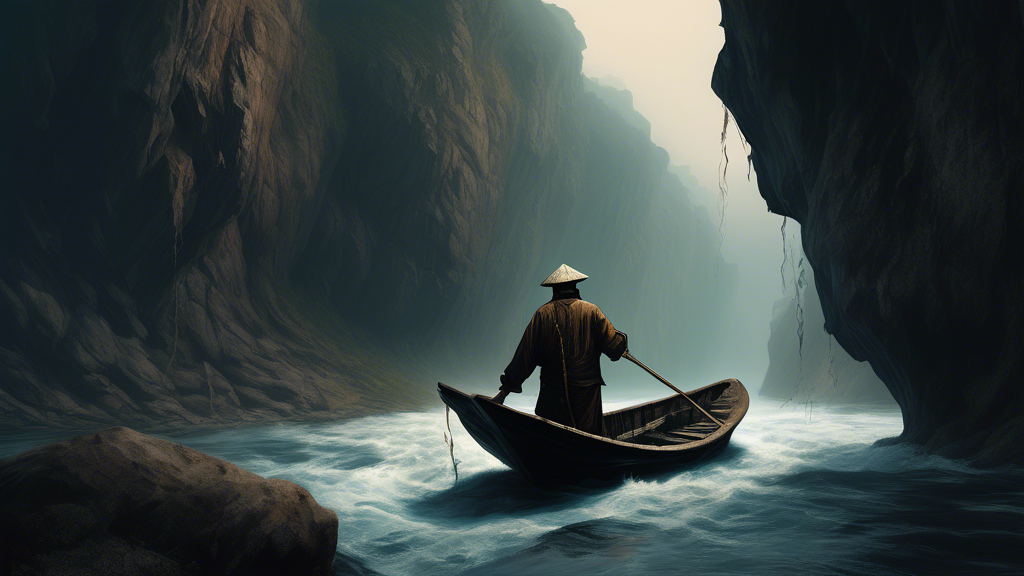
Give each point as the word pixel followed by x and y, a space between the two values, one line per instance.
pixel 798 491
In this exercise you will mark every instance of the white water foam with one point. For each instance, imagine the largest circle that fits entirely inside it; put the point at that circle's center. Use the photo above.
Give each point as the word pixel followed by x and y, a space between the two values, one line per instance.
pixel 391 482
pixel 797 491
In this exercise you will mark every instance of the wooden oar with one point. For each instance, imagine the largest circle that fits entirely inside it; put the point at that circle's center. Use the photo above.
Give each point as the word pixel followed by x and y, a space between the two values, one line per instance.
pixel 629 357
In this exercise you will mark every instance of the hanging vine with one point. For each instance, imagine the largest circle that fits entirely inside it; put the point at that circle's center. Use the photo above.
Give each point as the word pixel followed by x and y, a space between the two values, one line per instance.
pixel 782 269
pixel 831 363
pixel 723 170
pixel 723 184
pixel 801 282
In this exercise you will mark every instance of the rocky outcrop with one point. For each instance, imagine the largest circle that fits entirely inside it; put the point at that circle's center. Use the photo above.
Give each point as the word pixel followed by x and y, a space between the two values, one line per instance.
pixel 255 210
pixel 893 133
pixel 162 160
pixel 121 502
pixel 806 365
pixel 619 100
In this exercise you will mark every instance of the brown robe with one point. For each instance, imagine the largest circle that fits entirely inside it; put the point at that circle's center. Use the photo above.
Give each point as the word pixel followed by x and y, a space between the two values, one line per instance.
pixel 585 334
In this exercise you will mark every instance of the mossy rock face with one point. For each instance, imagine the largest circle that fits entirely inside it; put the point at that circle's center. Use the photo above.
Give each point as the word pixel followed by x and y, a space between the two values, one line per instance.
pixel 121 502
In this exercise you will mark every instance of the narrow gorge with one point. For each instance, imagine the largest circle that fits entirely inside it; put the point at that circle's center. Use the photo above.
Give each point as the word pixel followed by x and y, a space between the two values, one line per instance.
pixel 248 211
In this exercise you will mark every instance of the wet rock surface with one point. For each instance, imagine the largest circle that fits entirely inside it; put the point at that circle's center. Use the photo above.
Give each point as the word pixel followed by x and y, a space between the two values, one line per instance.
pixel 120 502
pixel 893 134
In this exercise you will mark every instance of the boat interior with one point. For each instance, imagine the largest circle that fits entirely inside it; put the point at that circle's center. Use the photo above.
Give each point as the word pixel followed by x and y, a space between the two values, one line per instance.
pixel 671 421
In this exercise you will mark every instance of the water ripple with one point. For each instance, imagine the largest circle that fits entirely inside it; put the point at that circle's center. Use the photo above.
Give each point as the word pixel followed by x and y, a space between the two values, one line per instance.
pixel 790 495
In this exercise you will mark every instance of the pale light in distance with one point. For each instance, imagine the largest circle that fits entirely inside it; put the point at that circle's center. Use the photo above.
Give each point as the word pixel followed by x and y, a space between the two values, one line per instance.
pixel 664 52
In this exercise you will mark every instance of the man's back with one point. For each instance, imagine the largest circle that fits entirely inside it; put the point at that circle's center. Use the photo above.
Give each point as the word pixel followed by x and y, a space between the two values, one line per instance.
pixel 584 333
pixel 566 338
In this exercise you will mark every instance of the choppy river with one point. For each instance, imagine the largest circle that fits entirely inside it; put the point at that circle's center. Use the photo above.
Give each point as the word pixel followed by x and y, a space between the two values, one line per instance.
pixel 796 492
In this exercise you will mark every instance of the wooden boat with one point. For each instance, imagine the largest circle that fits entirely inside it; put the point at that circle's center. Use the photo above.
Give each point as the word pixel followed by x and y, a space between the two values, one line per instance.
pixel 664 433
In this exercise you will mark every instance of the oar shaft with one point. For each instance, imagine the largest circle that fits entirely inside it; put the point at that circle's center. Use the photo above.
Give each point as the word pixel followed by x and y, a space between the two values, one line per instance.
pixel 629 357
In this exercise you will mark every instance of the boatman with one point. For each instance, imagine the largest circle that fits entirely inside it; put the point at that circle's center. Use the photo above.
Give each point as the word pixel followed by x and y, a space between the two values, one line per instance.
pixel 566 338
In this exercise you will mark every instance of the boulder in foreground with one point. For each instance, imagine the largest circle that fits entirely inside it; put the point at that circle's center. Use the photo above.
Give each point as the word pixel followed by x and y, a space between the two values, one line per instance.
pixel 121 502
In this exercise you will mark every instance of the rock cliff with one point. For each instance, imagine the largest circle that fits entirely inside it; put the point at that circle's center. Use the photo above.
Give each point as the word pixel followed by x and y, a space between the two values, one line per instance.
pixel 619 100
pixel 892 133
pixel 255 210
pixel 163 161
pixel 806 364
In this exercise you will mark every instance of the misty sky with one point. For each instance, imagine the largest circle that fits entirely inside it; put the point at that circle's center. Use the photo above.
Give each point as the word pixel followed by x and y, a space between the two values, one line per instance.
pixel 664 52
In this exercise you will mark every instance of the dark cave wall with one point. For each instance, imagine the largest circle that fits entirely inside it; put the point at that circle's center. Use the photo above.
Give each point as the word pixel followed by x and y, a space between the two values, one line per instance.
pixel 892 133
pixel 230 211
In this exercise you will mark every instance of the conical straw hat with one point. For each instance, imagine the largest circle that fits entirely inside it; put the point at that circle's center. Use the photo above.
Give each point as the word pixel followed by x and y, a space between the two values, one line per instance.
pixel 562 275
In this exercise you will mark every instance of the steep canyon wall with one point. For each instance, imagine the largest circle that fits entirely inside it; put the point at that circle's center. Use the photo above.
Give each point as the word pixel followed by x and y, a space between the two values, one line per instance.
pixel 892 133
pixel 223 211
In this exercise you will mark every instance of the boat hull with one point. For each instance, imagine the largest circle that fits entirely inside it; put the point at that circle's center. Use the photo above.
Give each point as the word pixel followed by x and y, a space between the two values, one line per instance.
pixel 544 451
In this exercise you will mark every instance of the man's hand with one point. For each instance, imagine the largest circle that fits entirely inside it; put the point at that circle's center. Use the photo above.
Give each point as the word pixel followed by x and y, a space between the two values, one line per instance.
pixel 500 396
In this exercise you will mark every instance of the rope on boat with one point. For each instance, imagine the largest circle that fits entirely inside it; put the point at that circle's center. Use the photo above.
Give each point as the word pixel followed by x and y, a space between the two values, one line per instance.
pixel 565 377
pixel 449 441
